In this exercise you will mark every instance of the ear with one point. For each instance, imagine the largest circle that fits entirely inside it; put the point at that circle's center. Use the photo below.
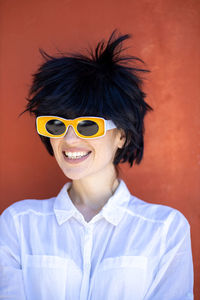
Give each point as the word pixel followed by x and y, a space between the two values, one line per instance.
pixel 122 138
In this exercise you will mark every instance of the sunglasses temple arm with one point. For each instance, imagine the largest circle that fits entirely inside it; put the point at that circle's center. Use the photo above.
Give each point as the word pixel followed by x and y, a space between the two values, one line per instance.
pixel 110 125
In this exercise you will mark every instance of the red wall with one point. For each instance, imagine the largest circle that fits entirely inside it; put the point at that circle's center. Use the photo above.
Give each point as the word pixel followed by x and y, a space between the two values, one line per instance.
pixel 166 36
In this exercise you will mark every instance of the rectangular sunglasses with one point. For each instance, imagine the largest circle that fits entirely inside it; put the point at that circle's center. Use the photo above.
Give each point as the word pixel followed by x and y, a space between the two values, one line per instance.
pixel 84 127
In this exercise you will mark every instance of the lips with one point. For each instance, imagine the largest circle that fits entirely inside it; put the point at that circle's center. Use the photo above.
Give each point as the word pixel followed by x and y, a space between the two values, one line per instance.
pixel 76 160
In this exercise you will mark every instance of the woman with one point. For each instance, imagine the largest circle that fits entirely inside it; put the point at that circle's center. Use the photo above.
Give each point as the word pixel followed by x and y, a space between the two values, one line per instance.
pixel 94 240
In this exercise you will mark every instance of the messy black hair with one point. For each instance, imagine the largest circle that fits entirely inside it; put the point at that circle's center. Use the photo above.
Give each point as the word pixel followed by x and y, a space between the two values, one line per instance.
pixel 103 83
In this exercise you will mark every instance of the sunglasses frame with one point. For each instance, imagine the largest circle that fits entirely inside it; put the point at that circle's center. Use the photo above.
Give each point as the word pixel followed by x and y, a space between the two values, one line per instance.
pixel 103 124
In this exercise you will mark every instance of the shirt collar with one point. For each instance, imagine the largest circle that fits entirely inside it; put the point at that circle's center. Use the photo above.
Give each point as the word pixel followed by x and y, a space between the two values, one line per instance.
pixel 112 211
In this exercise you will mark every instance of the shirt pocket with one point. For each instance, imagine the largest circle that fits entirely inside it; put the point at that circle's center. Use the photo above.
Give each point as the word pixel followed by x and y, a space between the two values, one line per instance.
pixel 121 277
pixel 45 277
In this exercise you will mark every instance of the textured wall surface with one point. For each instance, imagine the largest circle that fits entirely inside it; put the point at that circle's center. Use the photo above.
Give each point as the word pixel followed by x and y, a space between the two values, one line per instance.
pixel 166 36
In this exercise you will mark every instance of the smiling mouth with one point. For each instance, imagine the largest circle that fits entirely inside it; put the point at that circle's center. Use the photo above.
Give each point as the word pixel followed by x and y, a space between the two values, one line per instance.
pixel 78 155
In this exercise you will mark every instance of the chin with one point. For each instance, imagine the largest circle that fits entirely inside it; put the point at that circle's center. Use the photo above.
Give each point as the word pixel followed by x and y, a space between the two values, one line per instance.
pixel 74 175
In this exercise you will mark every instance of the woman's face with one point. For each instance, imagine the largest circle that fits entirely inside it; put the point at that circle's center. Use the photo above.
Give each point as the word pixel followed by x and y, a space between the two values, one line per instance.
pixel 97 154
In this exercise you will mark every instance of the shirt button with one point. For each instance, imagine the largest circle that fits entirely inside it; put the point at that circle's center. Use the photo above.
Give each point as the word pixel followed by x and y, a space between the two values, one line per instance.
pixel 88 228
pixel 87 266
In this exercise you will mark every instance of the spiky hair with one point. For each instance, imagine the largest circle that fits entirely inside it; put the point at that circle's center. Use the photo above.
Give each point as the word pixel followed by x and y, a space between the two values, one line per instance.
pixel 104 83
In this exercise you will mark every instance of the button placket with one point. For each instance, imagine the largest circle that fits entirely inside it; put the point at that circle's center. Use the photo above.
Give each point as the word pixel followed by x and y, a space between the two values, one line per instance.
pixel 87 249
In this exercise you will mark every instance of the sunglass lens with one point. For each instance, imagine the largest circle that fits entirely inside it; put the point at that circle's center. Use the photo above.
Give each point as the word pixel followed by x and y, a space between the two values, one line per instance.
pixel 87 127
pixel 55 127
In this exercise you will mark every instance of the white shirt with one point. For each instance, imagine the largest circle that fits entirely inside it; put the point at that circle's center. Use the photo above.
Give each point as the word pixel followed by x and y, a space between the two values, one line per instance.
pixel 130 250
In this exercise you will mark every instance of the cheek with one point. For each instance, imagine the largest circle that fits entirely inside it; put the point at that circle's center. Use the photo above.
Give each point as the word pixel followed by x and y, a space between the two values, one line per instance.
pixel 54 144
pixel 106 150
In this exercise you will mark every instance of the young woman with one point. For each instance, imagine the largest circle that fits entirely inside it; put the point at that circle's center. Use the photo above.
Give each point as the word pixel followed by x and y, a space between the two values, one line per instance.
pixel 94 240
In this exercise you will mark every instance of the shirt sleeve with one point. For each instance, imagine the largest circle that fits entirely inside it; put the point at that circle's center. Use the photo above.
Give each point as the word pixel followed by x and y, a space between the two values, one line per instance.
pixel 11 279
pixel 174 276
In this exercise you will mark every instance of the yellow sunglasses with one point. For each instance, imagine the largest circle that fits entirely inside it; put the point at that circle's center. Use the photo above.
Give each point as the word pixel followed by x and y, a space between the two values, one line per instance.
pixel 84 127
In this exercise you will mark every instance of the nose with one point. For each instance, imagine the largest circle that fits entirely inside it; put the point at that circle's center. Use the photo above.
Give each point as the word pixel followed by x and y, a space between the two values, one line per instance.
pixel 70 134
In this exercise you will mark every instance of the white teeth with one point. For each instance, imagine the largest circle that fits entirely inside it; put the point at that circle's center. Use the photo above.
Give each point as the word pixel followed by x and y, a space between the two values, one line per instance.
pixel 75 154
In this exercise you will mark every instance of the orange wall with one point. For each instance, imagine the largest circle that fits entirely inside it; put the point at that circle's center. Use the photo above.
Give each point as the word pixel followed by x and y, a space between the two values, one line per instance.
pixel 166 36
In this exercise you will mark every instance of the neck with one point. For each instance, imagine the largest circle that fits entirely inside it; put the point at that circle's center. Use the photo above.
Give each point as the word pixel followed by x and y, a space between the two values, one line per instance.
pixel 94 191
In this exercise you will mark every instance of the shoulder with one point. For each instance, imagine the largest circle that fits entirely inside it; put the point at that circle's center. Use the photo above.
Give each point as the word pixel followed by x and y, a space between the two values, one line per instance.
pixel 156 213
pixel 28 207
pixel 23 215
